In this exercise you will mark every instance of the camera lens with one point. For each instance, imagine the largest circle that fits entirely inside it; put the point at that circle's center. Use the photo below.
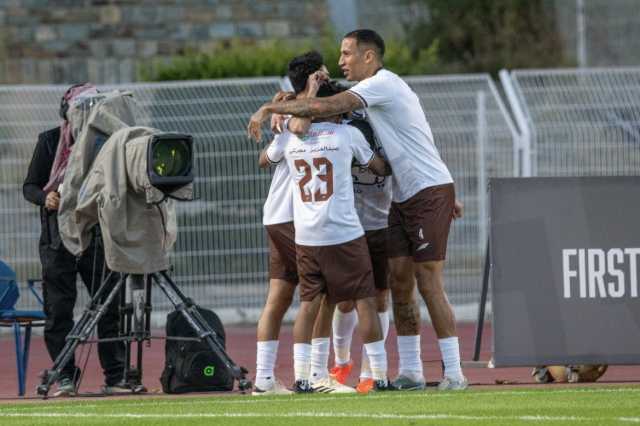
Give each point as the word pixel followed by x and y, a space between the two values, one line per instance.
pixel 171 157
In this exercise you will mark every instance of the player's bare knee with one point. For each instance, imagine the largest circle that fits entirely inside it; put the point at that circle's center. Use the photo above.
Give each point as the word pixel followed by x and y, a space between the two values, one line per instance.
pixel 401 269
pixel 367 304
pixel 402 294
pixel 399 275
pixel 346 306
pixel 277 307
pixel 430 268
pixel 429 278
pixel 382 301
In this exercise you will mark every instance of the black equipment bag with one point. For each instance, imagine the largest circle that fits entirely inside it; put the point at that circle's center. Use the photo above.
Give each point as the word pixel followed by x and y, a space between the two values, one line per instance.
pixel 191 366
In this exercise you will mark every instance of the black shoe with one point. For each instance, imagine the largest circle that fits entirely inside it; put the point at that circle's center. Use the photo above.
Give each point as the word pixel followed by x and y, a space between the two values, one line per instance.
pixel 383 386
pixel 302 386
pixel 122 387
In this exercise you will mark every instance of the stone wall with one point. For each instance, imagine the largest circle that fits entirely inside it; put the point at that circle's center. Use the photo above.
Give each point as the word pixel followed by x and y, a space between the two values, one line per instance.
pixel 107 41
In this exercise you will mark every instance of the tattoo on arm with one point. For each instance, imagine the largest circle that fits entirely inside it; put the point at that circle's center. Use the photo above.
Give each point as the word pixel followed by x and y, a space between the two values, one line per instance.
pixel 317 107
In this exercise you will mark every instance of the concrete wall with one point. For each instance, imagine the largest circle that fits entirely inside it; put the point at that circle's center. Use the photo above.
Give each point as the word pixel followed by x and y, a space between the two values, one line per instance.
pixel 107 41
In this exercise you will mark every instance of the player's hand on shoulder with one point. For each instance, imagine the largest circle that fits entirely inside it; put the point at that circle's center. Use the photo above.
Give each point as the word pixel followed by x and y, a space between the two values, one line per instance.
pixel 277 123
pixel 283 96
pixel 313 83
pixel 277 120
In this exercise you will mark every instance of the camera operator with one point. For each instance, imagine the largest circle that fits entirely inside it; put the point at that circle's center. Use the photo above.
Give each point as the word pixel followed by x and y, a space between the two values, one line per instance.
pixel 59 267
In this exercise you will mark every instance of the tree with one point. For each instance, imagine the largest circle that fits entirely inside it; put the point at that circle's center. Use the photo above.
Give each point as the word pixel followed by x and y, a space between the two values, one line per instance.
pixel 487 35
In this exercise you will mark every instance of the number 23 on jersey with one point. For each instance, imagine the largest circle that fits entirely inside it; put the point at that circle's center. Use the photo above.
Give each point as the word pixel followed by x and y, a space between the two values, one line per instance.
pixel 327 177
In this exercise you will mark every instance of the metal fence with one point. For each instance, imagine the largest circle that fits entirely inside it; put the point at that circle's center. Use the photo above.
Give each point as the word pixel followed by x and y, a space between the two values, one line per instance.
pixel 579 122
pixel 221 255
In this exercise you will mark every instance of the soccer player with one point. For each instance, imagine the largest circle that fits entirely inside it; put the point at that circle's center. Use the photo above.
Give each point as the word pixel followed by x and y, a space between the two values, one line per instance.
pixel 373 200
pixel 332 255
pixel 372 195
pixel 278 222
pixel 423 198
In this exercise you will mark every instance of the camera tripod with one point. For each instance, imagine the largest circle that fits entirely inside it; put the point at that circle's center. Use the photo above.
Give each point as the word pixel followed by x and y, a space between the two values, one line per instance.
pixel 135 315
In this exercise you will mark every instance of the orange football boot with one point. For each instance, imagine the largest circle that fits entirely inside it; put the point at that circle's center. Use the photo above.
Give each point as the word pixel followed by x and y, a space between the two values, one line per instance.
pixel 341 372
pixel 365 386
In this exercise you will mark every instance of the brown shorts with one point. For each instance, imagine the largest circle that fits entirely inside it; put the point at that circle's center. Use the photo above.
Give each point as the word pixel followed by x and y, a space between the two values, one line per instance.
pixel 419 226
pixel 377 243
pixel 342 271
pixel 282 252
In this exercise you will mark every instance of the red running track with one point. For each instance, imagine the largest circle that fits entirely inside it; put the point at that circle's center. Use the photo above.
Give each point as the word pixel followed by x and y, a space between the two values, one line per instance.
pixel 242 348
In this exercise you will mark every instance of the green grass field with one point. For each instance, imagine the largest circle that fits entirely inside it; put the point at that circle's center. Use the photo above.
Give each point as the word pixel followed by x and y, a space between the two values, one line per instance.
pixel 548 406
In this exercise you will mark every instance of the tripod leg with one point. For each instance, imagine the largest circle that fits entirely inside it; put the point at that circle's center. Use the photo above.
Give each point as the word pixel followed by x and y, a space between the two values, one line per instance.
pixel 202 329
pixel 134 329
pixel 80 333
pixel 146 319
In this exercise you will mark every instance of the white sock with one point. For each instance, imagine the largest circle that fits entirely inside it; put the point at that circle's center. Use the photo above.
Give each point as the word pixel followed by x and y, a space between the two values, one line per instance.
pixel 301 360
pixel 450 350
pixel 365 369
pixel 319 359
pixel 266 356
pixel 377 359
pixel 384 323
pixel 343 326
pixel 410 363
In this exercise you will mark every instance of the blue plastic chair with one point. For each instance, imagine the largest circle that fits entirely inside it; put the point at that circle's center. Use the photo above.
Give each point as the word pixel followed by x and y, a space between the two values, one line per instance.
pixel 11 317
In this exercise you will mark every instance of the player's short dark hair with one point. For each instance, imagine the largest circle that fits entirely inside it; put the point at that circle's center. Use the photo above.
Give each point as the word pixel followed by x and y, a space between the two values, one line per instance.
pixel 329 88
pixel 301 67
pixel 370 37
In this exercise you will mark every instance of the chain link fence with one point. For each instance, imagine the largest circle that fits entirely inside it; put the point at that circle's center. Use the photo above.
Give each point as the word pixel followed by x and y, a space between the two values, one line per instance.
pixel 582 122
pixel 221 257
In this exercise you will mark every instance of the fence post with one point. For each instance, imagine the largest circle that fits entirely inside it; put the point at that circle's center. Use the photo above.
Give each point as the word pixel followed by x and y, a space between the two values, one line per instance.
pixel 523 148
pixel 481 128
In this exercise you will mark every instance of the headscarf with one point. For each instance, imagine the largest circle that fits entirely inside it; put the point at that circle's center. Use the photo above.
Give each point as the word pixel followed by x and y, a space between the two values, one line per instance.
pixel 73 94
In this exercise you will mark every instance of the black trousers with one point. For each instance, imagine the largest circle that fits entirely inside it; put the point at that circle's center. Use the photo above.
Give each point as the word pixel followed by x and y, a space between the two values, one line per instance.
pixel 59 274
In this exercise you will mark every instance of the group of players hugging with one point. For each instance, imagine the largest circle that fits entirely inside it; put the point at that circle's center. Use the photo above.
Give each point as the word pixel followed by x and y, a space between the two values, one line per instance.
pixel 360 206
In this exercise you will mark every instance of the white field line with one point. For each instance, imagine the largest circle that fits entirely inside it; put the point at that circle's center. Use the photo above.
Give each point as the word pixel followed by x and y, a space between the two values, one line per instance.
pixel 371 416
pixel 68 406
pixel 400 395
pixel 315 398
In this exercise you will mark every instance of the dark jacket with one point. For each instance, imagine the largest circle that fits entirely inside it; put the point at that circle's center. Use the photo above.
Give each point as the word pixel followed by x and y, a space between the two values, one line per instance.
pixel 37 177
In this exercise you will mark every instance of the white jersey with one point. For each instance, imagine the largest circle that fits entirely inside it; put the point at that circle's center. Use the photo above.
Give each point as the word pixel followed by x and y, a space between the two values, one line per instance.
pixel 398 120
pixel 278 207
pixel 320 166
pixel 372 194
pixel 372 198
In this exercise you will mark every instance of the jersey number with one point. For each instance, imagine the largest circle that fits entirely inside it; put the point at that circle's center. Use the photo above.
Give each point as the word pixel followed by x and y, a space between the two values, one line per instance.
pixel 327 177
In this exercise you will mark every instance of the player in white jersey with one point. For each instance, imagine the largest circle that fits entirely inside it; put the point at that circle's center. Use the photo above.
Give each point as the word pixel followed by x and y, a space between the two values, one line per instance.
pixel 423 198
pixel 372 200
pixel 332 255
pixel 278 222
pixel 372 195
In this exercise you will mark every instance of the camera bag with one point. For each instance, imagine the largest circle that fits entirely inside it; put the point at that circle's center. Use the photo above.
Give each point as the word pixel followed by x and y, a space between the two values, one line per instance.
pixel 191 366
